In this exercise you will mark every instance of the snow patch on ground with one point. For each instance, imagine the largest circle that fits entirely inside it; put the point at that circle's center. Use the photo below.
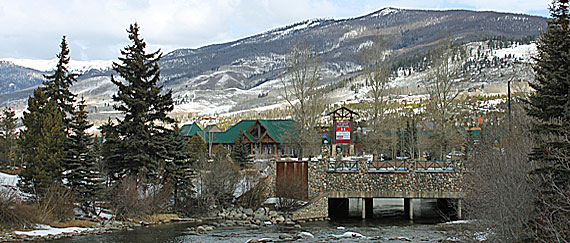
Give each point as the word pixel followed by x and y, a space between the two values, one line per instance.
pixel 457 222
pixel 48 230
pixel 385 12
pixel 348 235
pixel 8 180
pixel 519 51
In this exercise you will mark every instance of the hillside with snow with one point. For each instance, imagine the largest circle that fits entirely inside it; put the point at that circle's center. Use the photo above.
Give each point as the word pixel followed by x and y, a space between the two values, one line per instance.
pixel 247 74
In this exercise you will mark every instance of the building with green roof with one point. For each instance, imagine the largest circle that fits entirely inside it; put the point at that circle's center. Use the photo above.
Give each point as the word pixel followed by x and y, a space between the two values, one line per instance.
pixel 265 137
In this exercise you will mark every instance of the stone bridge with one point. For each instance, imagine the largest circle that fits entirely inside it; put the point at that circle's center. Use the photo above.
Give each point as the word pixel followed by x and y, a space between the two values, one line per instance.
pixel 331 183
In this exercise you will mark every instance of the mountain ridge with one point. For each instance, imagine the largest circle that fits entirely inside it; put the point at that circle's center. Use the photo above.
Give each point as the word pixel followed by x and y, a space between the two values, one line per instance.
pixel 234 74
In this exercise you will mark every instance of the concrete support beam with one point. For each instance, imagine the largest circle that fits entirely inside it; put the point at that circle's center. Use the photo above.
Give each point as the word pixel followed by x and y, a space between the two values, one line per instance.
pixel 459 216
pixel 409 208
pixel 363 204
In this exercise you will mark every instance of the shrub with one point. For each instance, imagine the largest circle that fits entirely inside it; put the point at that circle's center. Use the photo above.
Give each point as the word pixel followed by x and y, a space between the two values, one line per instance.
pixel 13 212
pixel 255 190
pixel 56 204
pixel 133 197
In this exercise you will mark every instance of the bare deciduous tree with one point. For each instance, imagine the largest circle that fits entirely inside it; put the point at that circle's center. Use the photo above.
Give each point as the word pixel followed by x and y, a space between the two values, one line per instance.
pixel 301 91
pixel 442 86
pixel 500 192
pixel 377 68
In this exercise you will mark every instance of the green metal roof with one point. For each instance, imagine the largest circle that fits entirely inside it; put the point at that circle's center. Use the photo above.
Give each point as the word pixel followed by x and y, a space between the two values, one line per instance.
pixel 231 134
pixel 209 127
pixel 189 130
pixel 279 130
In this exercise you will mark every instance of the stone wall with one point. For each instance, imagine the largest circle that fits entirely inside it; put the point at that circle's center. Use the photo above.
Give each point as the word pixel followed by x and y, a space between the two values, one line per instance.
pixel 405 184
pixel 316 209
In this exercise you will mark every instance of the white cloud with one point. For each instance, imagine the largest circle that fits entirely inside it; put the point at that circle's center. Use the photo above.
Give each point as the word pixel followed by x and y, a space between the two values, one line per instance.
pixel 96 28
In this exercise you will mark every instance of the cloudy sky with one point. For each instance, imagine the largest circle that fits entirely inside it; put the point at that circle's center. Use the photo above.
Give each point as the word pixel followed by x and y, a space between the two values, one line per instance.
pixel 95 29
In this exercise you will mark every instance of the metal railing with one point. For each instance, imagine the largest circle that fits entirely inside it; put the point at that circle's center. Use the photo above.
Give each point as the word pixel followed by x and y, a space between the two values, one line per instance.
pixel 343 166
pixel 394 166
pixel 387 165
pixel 434 166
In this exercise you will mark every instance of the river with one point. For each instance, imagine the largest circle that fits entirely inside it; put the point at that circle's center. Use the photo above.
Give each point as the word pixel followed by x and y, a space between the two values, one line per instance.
pixel 389 225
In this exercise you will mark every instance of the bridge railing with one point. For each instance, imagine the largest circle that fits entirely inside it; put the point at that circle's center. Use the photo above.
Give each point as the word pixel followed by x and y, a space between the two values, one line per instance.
pixel 343 166
pixel 393 166
pixel 387 165
pixel 434 165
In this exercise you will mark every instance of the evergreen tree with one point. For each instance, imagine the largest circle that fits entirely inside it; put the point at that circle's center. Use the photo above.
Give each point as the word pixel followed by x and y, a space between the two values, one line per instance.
pixel 81 171
pixel 57 85
pixel 140 100
pixel 41 144
pixel 178 168
pixel 240 151
pixel 550 105
pixel 8 138
pixel 197 150
pixel 111 152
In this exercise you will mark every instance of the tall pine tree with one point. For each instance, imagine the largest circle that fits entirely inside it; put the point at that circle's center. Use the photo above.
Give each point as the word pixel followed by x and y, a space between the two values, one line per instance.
pixel 57 85
pixel 111 152
pixel 81 171
pixel 42 144
pixel 8 138
pixel 550 105
pixel 178 168
pixel 140 99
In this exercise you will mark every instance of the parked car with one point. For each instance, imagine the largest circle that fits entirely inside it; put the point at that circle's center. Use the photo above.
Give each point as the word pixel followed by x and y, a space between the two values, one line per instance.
pixel 455 155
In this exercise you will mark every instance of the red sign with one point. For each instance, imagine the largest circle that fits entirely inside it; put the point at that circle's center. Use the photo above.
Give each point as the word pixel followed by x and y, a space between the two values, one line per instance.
pixel 343 132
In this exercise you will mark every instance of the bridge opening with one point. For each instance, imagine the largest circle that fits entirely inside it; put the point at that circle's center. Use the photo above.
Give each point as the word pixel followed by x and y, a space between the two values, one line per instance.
pixel 397 208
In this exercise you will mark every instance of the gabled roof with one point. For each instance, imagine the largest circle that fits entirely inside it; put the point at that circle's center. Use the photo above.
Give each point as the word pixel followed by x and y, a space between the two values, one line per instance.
pixel 232 133
pixel 279 130
pixel 190 130
pixel 213 128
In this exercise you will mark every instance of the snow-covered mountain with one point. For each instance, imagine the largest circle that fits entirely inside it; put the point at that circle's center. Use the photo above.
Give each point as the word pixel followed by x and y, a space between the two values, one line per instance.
pixel 246 73
pixel 49 65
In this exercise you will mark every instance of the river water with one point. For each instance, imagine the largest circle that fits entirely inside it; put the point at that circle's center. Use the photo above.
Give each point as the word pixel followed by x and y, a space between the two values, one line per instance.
pixel 389 225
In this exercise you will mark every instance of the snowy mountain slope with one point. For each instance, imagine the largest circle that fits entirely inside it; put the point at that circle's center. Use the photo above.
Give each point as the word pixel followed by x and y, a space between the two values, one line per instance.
pixel 247 73
pixel 49 65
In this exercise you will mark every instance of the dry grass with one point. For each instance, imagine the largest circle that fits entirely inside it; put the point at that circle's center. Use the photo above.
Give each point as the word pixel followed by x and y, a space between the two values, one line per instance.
pixel 75 223
pixel 155 218
pixel 10 171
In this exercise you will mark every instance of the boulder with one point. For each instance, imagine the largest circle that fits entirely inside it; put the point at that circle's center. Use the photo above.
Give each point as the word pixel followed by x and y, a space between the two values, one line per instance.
pixel 259 211
pixel 279 219
pixel 284 236
pixel 200 230
pixel 248 211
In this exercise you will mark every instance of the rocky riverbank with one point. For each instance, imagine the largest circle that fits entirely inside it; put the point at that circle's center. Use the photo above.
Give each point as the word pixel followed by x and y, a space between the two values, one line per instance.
pixel 234 216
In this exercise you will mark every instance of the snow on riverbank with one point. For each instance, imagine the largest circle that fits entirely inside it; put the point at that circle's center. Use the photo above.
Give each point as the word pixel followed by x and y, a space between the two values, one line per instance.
pixel 48 230
pixel 8 180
